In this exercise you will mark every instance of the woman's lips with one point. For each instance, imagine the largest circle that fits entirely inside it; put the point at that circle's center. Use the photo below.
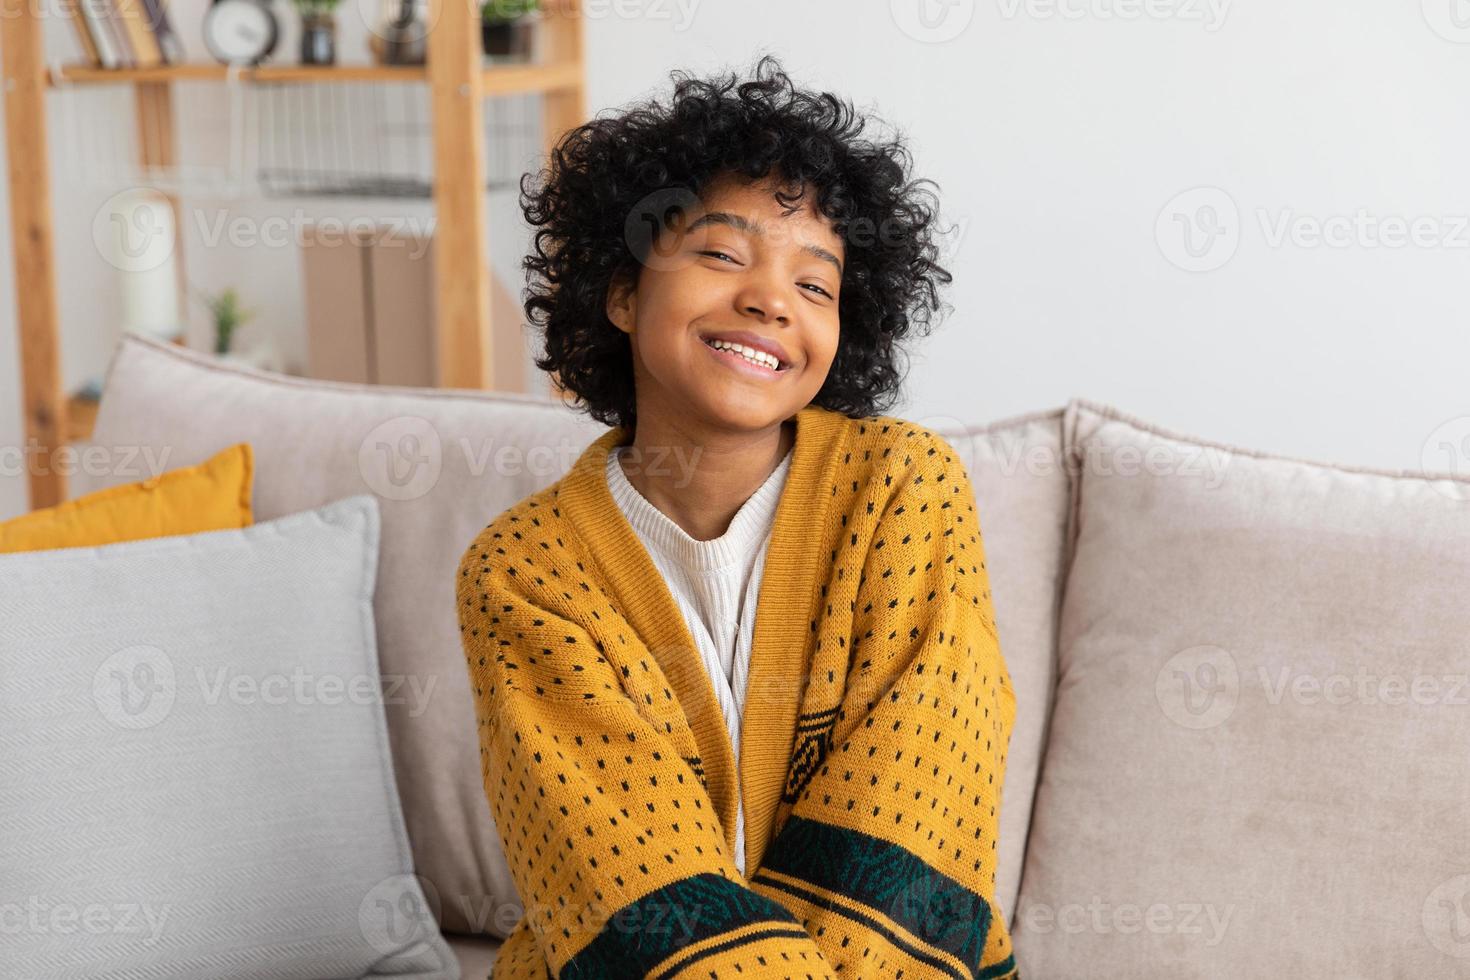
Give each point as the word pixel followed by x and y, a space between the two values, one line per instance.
pixel 740 363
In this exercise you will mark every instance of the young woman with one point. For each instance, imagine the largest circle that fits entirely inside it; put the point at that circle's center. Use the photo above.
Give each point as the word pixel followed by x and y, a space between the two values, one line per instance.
pixel 742 708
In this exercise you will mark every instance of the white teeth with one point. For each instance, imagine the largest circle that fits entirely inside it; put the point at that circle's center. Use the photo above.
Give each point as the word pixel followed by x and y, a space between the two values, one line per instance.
pixel 749 353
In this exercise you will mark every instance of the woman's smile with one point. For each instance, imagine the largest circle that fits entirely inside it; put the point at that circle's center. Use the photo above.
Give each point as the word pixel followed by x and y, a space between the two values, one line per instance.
pixel 739 362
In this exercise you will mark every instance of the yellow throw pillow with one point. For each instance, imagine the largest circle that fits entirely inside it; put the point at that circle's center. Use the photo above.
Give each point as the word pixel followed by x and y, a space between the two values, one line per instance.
pixel 211 496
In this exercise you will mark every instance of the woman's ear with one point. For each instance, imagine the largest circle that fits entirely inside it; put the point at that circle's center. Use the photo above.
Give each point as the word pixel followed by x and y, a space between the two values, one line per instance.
pixel 622 303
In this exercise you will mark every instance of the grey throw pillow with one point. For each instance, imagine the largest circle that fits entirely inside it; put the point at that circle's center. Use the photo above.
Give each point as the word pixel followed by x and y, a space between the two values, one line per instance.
pixel 195 778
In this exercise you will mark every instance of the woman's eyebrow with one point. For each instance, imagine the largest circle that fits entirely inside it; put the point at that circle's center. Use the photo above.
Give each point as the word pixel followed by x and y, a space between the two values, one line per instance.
pixel 743 224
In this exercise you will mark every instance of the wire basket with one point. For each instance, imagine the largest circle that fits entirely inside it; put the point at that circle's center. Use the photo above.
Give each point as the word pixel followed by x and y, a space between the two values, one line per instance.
pixel 249 138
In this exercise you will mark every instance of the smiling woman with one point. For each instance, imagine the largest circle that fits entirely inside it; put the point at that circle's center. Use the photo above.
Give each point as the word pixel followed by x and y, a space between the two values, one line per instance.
pixel 761 696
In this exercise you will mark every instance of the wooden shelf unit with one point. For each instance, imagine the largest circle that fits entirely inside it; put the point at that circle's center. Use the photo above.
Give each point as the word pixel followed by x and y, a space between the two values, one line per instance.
pixel 458 81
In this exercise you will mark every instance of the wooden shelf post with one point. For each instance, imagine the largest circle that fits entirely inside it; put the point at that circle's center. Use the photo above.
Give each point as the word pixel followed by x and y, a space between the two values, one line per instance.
pixel 31 241
pixel 565 108
pixel 461 253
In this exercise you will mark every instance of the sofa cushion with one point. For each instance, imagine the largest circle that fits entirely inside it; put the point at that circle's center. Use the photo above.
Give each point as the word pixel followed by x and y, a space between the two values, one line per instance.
pixel 1021 489
pixel 476 955
pixel 196 779
pixel 442 464
pixel 209 496
pixel 1256 763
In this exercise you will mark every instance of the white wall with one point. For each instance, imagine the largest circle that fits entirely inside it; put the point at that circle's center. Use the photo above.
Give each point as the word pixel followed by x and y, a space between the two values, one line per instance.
pixel 1064 135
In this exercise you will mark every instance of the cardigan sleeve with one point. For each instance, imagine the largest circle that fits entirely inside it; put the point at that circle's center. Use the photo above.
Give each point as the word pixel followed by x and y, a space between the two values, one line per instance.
pixel 615 848
pixel 889 851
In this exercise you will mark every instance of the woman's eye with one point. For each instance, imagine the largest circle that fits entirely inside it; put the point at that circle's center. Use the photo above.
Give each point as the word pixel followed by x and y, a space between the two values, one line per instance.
pixel 717 254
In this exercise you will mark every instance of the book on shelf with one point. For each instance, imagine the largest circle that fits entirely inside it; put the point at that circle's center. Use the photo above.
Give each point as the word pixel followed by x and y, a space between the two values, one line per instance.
pixel 134 19
pixel 78 18
pixel 125 33
pixel 98 21
pixel 169 45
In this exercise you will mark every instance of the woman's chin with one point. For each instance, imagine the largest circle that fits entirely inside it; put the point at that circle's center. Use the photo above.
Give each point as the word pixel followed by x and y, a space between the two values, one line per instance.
pixel 742 411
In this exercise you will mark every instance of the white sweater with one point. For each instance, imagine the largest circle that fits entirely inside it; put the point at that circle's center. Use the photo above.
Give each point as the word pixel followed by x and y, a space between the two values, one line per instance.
pixel 716 584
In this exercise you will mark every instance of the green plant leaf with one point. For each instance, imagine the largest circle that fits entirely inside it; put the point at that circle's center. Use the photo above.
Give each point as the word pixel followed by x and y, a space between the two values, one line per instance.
pixel 504 11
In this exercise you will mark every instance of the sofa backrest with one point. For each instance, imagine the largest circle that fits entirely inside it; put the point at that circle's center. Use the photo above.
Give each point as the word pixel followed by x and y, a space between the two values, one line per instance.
pixel 1239 747
pixel 1256 761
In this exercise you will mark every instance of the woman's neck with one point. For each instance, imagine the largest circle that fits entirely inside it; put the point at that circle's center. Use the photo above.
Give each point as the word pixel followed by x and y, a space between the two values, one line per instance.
pixel 700 479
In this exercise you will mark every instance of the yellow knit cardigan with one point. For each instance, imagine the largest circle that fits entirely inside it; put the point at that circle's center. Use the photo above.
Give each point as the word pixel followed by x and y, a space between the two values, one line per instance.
pixel 873 741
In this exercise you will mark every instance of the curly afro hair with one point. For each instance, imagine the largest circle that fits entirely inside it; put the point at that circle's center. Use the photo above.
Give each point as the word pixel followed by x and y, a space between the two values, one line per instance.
pixel 600 172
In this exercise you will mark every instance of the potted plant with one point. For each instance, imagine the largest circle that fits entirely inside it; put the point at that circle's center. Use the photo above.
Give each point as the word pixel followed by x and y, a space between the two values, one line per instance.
pixel 228 316
pixel 318 31
pixel 506 30
pixel 224 307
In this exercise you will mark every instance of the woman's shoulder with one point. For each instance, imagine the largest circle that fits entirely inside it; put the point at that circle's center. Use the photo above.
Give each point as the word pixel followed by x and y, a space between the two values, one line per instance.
pixel 890 446
pixel 902 471
pixel 514 532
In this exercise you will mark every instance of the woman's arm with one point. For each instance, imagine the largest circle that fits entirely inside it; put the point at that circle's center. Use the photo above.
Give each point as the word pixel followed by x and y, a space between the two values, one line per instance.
pixel 889 849
pixel 613 842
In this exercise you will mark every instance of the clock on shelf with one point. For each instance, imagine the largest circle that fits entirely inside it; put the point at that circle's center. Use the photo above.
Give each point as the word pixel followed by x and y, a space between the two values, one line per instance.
pixel 241 32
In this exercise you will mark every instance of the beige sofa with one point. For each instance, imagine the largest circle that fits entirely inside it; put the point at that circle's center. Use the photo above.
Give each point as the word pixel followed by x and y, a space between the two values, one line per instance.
pixel 1241 742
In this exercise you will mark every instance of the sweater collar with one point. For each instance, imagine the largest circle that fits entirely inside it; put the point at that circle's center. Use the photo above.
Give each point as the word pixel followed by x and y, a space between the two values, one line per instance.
pixel 780 652
pixel 737 544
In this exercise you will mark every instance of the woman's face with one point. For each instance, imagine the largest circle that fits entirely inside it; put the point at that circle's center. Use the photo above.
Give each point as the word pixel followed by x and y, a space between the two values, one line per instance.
pixel 734 267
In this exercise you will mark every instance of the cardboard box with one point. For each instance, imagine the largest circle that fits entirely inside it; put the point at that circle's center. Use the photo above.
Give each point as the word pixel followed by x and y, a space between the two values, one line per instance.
pixel 370 305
